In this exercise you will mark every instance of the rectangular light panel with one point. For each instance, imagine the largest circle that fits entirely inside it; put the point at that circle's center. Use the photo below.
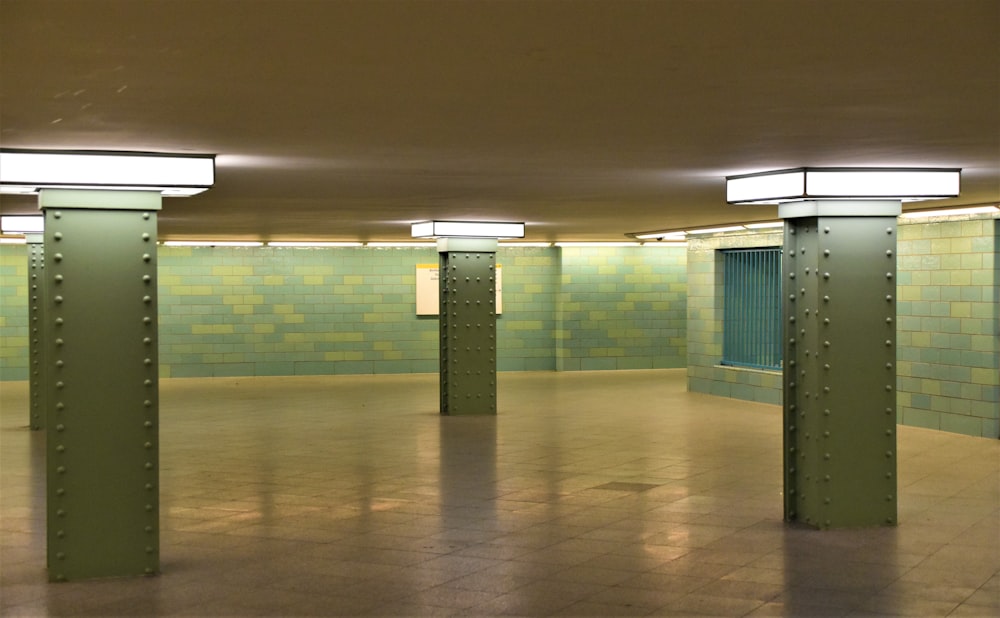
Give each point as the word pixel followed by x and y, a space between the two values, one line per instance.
pixel 907 185
pixel 22 224
pixel 467 229
pixel 172 175
pixel 766 188
pixel 810 183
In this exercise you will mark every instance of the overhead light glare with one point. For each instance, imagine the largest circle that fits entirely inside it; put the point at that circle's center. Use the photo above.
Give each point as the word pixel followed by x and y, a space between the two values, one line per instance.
pixel 173 175
pixel 764 225
pixel 525 244
pixel 838 183
pixel 22 224
pixel 665 243
pixel 950 212
pixel 467 229
pixel 13 241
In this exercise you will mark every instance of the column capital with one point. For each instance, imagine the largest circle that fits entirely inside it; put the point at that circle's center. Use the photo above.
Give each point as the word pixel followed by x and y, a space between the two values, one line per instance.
pixel 444 245
pixel 840 208
pixel 99 199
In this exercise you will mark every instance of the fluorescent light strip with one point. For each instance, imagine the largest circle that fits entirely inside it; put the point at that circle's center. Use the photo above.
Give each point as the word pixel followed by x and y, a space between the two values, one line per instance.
pixel 212 243
pixel 306 244
pixel 764 225
pixel 401 244
pixel 950 212
pixel 23 171
pixel 13 241
pixel 598 244
pixel 525 244
pixel 673 235
pixel 717 230
pixel 665 243
pixel 22 224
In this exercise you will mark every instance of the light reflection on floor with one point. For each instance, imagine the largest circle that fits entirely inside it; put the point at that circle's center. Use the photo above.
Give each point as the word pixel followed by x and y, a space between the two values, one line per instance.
pixel 592 493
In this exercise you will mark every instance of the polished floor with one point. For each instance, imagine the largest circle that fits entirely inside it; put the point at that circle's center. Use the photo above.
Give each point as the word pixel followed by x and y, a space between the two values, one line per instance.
pixel 590 494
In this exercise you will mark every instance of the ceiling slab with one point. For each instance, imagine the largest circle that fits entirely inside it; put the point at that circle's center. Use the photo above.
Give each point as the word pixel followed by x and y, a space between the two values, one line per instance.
pixel 588 120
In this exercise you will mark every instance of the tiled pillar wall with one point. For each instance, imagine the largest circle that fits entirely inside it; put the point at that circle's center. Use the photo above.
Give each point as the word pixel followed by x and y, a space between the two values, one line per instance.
pixel 278 311
pixel 949 377
pixel 704 323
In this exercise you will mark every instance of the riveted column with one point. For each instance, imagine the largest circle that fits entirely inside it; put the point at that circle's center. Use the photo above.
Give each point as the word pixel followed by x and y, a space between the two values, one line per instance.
pixel 468 325
pixel 840 354
pixel 36 318
pixel 101 386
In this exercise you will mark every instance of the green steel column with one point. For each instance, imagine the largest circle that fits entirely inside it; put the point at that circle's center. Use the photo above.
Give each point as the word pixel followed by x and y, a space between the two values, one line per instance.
pixel 100 343
pixel 840 375
pixel 36 317
pixel 468 325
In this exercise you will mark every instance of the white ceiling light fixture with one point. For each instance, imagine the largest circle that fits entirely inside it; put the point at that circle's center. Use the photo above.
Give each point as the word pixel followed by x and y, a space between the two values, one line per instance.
pixel 172 175
pixel 764 225
pixel 843 183
pixel 22 224
pixel 467 229
pixel 950 212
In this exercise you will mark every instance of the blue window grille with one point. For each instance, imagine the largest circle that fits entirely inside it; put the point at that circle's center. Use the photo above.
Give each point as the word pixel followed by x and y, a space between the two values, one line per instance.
pixel 751 330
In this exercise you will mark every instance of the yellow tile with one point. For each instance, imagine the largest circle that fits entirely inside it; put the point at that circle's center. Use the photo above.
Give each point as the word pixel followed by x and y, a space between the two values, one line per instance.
pixel 295 318
pixel 263 328
pixel 984 376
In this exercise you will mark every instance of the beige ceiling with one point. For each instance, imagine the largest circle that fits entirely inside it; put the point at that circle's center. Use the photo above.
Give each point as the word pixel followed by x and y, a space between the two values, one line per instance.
pixel 587 120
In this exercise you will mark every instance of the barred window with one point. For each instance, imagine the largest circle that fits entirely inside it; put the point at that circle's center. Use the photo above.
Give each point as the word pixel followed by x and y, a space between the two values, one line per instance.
pixel 752 308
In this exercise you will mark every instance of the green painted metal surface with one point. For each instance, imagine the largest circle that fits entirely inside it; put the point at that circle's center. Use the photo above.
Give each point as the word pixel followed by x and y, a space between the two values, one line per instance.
pixel 840 376
pixel 468 332
pixel 36 318
pixel 101 388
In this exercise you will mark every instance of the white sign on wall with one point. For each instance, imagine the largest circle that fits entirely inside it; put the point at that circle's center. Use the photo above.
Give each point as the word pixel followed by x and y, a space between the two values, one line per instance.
pixel 427 289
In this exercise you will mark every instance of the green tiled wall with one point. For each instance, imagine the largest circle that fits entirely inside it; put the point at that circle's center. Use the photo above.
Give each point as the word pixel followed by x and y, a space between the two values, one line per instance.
pixel 947 362
pixel 704 323
pixel 13 312
pixel 621 308
pixel 526 327
pixel 280 311
pixel 947 324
